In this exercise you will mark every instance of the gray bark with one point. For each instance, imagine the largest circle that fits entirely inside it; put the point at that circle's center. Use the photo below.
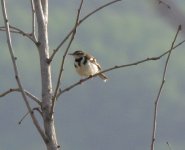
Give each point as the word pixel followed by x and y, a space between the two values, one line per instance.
pixel 41 8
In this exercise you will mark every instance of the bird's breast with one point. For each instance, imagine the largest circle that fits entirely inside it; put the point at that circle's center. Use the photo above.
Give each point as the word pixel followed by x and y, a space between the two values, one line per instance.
pixel 86 69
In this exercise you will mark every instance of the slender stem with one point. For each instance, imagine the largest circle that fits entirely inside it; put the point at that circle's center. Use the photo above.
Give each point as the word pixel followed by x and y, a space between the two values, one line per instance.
pixel 36 108
pixel 33 97
pixel 64 56
pixel 160 90
pixel 16 30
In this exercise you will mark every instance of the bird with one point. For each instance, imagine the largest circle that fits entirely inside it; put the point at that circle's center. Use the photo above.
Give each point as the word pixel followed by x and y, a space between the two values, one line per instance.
pixel 86 65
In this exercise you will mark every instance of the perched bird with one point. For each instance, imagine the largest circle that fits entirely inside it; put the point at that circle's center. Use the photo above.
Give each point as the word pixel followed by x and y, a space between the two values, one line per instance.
pixel 86 65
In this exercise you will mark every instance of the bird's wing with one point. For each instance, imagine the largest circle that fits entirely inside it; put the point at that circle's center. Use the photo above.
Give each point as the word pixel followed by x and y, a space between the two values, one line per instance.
pixel 93 60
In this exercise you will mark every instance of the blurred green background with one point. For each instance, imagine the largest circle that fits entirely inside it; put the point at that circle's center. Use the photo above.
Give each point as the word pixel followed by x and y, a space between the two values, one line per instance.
pixel 97 115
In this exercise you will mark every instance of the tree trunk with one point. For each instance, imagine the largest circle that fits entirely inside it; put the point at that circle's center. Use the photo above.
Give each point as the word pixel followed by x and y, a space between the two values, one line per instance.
pixel 41 7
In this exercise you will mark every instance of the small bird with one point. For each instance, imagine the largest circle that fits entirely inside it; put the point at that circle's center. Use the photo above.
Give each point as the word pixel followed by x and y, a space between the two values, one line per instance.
pixel 86 65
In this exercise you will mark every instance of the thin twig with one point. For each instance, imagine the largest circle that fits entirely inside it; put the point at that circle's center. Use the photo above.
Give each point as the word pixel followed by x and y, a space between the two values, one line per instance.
pixel 80 21
pixel 19 31
pixel 11 30
pixel 117 67
pixel 64 56
pixel 36 108
pixel 101 7
pixel 6 22
pixel 160 90
pixel 33 97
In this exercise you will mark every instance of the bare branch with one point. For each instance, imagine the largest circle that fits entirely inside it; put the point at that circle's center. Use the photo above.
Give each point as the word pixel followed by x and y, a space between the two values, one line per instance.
pixel 80 21
pixel 19 31
pixel 36 108
pixel 93 12
pixel 117 67
pixel 11 30
pixel 6 22
pixel 64 56
pixel 33 97
pixel 160 90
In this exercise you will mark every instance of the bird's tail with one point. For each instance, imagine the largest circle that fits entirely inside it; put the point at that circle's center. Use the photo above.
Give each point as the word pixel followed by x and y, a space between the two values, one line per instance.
pixel 103 77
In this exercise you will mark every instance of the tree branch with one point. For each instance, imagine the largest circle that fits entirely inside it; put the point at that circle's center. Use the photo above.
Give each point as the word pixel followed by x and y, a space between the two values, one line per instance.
pixel 80 21
pixel 160 90
pixel 19 31
pixel 36 108
pixel 33 97
pixel 36 123
pixel 64 56
pixel 117 67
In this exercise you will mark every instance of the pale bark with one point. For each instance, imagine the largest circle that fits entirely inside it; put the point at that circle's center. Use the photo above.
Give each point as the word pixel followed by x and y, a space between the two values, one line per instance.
pixel 43 47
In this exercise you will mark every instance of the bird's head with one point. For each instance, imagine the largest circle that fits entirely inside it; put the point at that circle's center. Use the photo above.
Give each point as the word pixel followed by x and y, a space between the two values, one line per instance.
pixel 77 54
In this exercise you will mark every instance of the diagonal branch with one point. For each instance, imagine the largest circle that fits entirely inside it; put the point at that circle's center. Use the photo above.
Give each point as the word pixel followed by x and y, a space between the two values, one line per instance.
pixel 80 21
pixel 36 108
pixel 19 31
pixel 160 90
pixel 117 67
pixel 33 97
pixel 93 12
pixel 6 22
pixel 64 56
